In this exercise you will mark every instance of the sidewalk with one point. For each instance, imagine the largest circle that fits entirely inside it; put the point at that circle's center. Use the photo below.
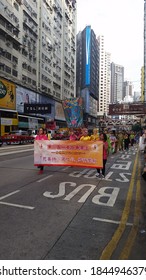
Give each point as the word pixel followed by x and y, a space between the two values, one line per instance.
pixel 139 248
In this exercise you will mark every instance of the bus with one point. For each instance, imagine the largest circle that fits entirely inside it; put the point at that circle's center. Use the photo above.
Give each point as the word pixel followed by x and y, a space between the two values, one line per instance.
pixel 8 121
pixel 30 122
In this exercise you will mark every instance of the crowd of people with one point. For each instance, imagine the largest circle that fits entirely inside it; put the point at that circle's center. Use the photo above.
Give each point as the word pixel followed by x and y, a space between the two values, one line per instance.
pixel 112 141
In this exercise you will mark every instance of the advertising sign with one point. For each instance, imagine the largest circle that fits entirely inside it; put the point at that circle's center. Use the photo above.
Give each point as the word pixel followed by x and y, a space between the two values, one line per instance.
pixel 88 48
pixel 37 108
pixel 59 113
pixel 7 95
pixel 69 153
pixel 24 96
pixel 127 109
pixel 73 110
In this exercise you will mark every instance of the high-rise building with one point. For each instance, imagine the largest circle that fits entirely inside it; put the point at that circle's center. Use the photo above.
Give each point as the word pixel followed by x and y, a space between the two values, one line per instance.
pixel 142 83
pixel 38 49
pixel 104 78
pixel 144 50
pixel 117 82
pixel 38 39
pixel 127 89
pixel 87 73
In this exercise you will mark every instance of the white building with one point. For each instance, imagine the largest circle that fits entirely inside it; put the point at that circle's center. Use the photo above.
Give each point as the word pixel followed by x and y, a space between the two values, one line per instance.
pixel 104 78
pixel 117 82
pixel 37 45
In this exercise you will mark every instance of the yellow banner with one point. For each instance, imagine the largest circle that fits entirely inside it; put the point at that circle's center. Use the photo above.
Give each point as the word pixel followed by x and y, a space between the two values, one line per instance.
pixel 69 153
pixel 7 95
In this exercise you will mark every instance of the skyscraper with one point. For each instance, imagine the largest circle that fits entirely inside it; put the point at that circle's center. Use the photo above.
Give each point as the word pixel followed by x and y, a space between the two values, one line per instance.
pixel 117 82
pixel 87 73
pixel 144 50
pixel 104 78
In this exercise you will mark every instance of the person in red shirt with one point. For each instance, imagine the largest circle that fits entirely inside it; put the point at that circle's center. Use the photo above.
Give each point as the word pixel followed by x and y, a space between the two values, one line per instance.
pixel 103 138
pixel 41 136
pixel 72 135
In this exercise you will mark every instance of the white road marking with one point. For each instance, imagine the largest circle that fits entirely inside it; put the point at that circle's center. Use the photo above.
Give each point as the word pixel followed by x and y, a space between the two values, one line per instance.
pixel 9 194
pixel 15 152
pixel 65 168
pixel 17 205
pixel 110 221
pixel 39 181
pixel 13 147
pixel 14 205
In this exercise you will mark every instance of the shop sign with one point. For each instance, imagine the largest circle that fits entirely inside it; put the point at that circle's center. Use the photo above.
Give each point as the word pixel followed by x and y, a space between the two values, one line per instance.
pixel 7 95
pixel 37 108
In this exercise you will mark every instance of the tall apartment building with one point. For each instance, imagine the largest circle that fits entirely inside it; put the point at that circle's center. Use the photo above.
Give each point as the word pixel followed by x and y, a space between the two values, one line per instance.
pixel 144 50
pixel 117 82
pixel 87 73
pixel 127 89
pixel 142 84
pixel 104 78
pixel 38 49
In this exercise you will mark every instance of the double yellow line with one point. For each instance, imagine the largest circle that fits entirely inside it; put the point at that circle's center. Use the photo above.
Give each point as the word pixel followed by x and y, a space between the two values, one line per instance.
pixel 111 246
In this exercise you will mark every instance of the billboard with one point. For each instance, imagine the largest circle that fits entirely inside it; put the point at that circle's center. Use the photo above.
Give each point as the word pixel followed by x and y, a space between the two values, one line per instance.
pixel 127 109
pixel 88 49
pixel 7 95
pixel 59 113
pixel 23 96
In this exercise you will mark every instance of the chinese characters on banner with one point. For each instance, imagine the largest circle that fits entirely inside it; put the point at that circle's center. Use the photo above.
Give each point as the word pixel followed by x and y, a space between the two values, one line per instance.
pixel 73 110
pixel 69 153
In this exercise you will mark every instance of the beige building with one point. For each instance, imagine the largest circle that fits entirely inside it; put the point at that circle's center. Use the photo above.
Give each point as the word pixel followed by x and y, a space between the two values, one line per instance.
pixel 142 84
pixel 38 45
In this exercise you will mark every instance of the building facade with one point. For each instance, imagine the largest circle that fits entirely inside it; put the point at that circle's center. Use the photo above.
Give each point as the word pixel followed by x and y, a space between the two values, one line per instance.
pixel 104 78
pixel 87 73
pixel 127 89
pixel 144 97
pixel 117 82
pixel 38 51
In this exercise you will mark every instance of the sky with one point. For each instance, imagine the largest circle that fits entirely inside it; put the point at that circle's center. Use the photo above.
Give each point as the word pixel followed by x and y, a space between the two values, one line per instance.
pixel 122 24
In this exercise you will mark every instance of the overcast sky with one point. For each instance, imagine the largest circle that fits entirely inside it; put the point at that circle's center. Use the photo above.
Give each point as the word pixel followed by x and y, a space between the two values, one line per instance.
pixel 121 23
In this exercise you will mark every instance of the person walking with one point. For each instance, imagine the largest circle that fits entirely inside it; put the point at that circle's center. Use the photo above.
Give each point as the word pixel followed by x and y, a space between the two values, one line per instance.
pixel 72 135
pixel 95 134
pixel 41 136
pixel 126 141
pixel 103 138
pixel 85 136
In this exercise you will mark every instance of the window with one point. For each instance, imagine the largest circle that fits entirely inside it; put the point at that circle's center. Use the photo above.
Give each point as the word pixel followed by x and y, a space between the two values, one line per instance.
pixel 16 6
pixel 8 69
pixel 8 55
pixel 14 73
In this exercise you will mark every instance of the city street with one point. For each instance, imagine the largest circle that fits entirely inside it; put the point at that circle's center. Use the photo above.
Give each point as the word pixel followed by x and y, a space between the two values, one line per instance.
pixel 67 213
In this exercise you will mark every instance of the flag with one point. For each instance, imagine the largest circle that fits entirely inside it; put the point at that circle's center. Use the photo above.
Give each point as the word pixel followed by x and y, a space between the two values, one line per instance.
pixel 73 110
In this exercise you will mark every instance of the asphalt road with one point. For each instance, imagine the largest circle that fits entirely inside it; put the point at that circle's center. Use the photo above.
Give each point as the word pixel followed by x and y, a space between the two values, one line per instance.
pixel 67 213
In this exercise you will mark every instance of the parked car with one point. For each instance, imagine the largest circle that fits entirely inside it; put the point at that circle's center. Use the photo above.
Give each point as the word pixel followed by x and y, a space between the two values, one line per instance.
pixel 18 137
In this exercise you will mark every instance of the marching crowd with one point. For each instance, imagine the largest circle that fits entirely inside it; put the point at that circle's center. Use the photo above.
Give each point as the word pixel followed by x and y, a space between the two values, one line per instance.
pixel 112 141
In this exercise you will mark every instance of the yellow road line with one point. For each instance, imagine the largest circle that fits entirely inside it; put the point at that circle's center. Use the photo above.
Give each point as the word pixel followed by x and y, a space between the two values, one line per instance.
pixel 111 246
pixel 132 235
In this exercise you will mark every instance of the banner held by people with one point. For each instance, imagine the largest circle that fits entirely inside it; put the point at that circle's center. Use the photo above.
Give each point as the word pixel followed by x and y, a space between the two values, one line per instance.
pixel 68 153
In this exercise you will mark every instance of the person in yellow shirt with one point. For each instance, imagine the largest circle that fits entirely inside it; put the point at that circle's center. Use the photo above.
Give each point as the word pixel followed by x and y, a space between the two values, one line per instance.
pixel 85 136
pixel 95 135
